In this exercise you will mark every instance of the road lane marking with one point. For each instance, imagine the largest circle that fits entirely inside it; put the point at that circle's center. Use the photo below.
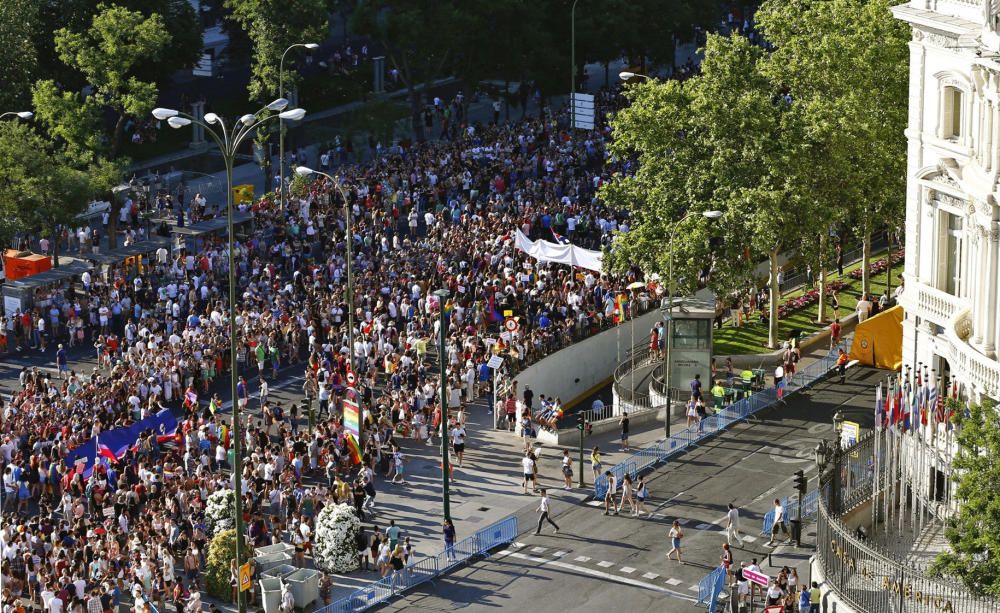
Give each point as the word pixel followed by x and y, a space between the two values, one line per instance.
pixel 672 581
pixel 581 559
pixel 539 549
pixel 560 554
pixel 603 564
pixel 599 574
pixel 703 526
pixel 628 570
pixel 694 588
pixel 650 576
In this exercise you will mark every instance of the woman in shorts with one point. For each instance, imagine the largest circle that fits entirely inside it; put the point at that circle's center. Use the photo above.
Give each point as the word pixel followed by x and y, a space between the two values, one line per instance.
pixel 567 470
pixel 641 494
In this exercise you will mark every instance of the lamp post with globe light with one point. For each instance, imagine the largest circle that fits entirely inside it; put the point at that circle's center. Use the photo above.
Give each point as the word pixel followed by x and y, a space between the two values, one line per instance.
pixel 229 140
pixel 281 122
pixel 669 332
pixel 305 171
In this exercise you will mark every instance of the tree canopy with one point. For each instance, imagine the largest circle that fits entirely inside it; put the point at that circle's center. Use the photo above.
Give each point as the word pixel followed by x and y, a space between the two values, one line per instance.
pixel 784 143
pixel 974 531
pixel 273 26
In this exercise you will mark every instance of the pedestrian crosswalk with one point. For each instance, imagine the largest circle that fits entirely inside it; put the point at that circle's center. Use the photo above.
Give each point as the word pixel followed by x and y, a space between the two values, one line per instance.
pixel 609 568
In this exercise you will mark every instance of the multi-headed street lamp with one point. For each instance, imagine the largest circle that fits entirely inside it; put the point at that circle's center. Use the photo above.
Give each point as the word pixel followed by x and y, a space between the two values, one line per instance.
pixel 229 141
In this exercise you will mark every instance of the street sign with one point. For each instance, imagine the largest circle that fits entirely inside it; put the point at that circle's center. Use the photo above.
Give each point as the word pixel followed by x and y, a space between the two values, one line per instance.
pixel 583 111
pixel 757 577
pixel 775 609
pixel 351 378
pixel 849 434
pixel 510 324
pixel 495 362
pixel 245 582
pixel 506 313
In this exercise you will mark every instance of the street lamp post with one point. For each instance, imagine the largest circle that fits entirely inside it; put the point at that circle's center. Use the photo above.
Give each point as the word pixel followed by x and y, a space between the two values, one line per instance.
pixel 669 333
pixel 25 115
pixel 442 295
pixel 572 61
pixel 229 141
pixel 304 171
pixel 281 123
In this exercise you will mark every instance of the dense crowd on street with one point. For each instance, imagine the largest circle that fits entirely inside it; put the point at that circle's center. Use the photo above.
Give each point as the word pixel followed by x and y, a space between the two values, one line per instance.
pixel 433 215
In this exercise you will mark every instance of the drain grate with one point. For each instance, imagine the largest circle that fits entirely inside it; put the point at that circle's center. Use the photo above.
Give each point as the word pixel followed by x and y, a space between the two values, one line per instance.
pixel 483 509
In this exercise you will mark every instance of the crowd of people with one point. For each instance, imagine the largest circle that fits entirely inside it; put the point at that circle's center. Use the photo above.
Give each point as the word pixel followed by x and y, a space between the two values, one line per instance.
pixel 434 215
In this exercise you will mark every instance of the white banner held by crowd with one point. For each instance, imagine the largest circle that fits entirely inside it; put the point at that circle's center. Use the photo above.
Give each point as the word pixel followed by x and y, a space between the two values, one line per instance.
pixel 545 251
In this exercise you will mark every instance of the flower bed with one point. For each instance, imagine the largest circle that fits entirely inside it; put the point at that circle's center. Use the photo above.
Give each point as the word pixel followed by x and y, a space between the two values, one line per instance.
pixel 808 298
pixel 335 548
pixel 879 265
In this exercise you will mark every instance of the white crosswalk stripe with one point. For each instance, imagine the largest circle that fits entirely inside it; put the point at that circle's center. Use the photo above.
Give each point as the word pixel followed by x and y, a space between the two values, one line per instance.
pixel 536 549
pixel 628 570
pixel 605 564
pixel 694 588
pixel 703 526
pixel 672 581
pixel 650 576
pixel 749 538
pixel 560 554
pixel 581 559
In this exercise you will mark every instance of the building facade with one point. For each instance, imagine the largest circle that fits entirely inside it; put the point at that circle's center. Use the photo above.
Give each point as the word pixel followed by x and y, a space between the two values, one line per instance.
pixel 952 266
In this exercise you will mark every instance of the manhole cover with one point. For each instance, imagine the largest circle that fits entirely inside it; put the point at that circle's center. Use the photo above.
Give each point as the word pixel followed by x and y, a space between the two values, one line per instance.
pixel 483 509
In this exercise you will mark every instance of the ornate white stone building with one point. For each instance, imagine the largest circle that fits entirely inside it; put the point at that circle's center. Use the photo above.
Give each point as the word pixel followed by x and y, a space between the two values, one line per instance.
pixel 952 266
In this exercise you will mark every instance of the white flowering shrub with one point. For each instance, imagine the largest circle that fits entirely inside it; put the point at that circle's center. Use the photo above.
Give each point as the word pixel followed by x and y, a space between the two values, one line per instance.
pixel 335 541
pixel 220 510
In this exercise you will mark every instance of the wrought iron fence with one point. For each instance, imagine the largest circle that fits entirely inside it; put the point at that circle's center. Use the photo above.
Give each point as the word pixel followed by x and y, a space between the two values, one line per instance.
pixel 864 574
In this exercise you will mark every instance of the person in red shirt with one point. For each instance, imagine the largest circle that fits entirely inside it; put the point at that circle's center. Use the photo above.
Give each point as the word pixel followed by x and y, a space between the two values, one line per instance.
pixel 835 330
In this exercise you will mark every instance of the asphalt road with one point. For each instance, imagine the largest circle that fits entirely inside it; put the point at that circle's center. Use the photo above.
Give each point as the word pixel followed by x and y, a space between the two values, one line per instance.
pixel 618 562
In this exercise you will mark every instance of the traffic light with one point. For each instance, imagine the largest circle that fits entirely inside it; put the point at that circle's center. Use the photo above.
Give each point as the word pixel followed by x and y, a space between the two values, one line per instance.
pixel 581 420
pixel 800 481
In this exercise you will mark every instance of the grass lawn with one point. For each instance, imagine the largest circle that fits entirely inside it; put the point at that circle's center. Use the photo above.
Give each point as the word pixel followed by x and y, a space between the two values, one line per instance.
pixel 752 338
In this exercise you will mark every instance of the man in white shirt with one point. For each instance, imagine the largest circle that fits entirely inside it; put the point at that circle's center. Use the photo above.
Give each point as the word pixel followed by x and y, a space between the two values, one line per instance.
pixel 779 521
pixel 528 471
pixel 864 308
pixel 543 513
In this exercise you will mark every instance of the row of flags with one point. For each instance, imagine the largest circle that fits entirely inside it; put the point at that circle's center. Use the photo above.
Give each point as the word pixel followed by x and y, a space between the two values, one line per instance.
pixel 904 402
pixel 112 445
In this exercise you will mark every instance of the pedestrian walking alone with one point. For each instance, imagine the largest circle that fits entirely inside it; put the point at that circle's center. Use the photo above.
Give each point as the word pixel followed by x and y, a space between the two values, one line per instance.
pixel 543 512
pixel 609 495
pixel 675 535
pixel 567 470
pixel 623 422
pixel 733 527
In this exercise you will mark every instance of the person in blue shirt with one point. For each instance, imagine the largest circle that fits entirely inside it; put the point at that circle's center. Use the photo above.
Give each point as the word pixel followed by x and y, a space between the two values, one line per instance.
pixel 62 361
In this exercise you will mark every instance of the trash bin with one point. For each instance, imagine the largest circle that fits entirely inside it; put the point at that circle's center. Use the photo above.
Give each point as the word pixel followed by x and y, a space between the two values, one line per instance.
pixel 278 571
pixel 270 594
pixel 270 560
pixel 276 548
pixel 304 584
pixel 797 531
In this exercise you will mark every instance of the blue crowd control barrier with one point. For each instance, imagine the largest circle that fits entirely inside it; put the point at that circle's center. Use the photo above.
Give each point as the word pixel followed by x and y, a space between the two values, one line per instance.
pixel 708 587
pixel 689 438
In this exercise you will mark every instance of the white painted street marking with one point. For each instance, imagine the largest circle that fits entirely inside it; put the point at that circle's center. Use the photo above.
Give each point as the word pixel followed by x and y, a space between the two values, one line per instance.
pixel 605 564
pixel 581 559
pixel 539 549
pixel 650 576
pixel 694 588
pixel 628 570
pixel 749 538
pixel 672 581
pixel 703 526
pixel 595 503
pixel 560 554
pixel 603 575
pixel 517 544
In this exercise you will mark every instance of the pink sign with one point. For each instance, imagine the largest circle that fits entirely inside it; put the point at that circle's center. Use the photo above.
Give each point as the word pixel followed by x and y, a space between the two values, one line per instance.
pixel 757 577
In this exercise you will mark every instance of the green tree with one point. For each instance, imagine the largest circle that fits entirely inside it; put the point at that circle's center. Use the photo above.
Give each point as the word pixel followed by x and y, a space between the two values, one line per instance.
pixel 274 25
pixel 19 26
pixel 723 140
pixel 974 531
pixel 110 54
pixel 847 62
pixel 418 38
pixel 221 553
pixel 39 190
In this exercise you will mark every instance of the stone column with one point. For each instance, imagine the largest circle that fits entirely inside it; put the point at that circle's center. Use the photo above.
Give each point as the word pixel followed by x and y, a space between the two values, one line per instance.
pixel 378 78
pixel 992 244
